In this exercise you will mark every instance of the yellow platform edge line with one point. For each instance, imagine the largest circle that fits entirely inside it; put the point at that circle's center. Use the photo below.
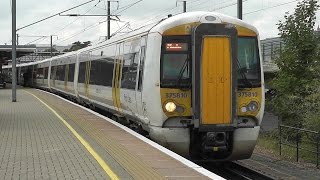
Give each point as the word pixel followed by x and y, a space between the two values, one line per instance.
pixel 102 163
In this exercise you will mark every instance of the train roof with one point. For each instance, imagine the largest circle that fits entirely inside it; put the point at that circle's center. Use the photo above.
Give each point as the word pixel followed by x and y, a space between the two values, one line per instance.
pixel 199 16
pixel 176 20
pixel 164 24
pixel 72 53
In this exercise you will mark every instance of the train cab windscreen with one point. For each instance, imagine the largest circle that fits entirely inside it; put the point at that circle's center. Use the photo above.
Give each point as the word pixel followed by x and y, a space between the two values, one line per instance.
pixel 249 75
pixel 175 62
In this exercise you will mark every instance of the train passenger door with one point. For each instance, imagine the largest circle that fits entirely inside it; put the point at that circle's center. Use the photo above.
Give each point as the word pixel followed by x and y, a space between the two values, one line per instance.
pixel 117 77
pixel 130 63
pixel 214 65
pixel 139 87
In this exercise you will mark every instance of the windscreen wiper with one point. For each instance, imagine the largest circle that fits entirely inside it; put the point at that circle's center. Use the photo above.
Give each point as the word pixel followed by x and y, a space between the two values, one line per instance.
pixel 244 78
pixel 181 72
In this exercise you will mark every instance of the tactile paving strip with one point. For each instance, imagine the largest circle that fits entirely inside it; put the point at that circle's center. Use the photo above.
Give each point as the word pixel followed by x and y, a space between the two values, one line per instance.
pixel 95 127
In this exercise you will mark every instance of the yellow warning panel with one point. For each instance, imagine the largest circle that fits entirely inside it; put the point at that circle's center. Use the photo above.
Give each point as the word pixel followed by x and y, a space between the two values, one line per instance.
pixel 116 84
pixel 216 80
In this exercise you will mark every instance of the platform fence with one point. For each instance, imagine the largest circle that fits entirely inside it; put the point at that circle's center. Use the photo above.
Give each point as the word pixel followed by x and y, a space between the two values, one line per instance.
pixel 302 140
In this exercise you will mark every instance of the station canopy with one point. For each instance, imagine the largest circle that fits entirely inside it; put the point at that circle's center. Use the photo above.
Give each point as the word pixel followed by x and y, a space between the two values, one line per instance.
pixel 6 52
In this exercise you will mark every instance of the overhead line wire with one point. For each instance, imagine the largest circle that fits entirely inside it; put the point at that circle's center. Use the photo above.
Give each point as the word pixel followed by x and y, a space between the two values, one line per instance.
pixel 270 7
pixel 83 30
pixel 54 15
pixel 66 25
pixel 129 6
pixel 43 37
pixel 193 7
pixel 77 18
pixel 100 21
pixel 199 0
pixel 229 5
pixel 161 14
pixel 95 24
pixel 157 15
pixel 198 4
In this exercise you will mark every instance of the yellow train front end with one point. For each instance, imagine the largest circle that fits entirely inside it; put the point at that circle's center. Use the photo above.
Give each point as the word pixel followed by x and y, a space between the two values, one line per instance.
pixel 212 83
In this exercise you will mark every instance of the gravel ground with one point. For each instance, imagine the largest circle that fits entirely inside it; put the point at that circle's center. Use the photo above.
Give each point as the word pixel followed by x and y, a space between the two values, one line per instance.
pixel 270 163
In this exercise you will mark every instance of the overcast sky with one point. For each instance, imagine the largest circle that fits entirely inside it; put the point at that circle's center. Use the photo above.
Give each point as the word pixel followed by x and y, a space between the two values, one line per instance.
pixel 263 14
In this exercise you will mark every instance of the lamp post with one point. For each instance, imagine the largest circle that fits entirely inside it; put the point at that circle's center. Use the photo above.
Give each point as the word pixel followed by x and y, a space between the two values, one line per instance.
pixel 239 9
pixel 14 71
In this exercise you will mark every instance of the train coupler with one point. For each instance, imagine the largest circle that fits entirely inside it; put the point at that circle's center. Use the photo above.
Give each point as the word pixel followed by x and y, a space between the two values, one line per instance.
pixel 215 142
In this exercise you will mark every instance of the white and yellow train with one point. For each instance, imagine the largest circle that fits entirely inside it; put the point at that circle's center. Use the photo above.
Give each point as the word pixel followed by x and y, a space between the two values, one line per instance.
pixel 193 82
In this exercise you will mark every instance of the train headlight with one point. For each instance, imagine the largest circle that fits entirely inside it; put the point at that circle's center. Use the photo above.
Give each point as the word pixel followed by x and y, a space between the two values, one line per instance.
pixel 244 109
pixel 170 106
pixel 253 106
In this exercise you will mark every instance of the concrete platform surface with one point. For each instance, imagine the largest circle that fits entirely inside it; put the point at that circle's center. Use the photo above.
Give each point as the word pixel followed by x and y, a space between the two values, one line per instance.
pixel 45 137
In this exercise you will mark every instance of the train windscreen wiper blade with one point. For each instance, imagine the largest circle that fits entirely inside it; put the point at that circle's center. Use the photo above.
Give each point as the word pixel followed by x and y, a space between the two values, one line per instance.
pixel 243 75
pixel 181 72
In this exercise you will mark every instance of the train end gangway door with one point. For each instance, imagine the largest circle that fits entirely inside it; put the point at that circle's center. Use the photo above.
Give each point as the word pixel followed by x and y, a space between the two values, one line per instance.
pixel 214 75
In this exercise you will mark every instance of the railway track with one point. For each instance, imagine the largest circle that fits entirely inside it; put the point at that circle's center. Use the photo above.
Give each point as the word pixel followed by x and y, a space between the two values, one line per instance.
pixel 234 170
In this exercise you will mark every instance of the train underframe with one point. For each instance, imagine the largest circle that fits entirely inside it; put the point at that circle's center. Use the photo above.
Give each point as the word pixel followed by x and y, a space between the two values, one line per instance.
pixel 217 145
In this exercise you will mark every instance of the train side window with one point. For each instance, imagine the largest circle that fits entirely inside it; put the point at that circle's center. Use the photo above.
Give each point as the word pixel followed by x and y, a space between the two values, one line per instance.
pixel 94 72
pixel 129 71
pixel 39 73
pixel 82 72
pixel 57 74
pixel 66 73
pixel 102 72
pixel 142 59
pixel 94 68
pixel 46 72
pixel 134 69
pixel 71 72
pixel 53 72
pixel 60 72
pixel 107 69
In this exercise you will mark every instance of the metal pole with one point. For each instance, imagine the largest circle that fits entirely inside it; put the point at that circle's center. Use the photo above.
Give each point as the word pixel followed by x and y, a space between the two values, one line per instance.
pixel 184 6
pixel 263 58
pixel 297 141
pixel 280 139
pixel 271 51
pixel 14 74
pixel 51 45
pixel 17 39
pixel 318 139
pixel 108 20
pixel 239 9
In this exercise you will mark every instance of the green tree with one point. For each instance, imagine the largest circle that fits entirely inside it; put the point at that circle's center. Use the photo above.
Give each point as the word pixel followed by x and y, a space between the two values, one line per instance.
pixel 78 45
pixel 297 82
pixel 48 50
